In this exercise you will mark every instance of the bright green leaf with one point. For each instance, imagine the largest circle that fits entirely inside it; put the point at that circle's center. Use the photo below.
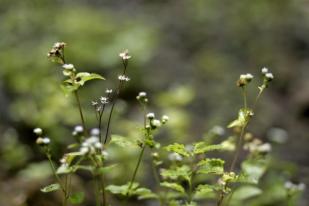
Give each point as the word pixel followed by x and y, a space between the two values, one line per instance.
pixel 173 186
pixel 178 148
pixel 83 77
pixel 203 147
pixel 246 192
pixel 210 166
pixel 242 119
pixel 183 172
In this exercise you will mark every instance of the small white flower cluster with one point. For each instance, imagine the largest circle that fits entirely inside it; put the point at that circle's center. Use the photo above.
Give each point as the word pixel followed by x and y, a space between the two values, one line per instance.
pixel 142 97
pixel 268 75
pixel 123 78
pixel 125 55
pixel 42 141
pixel 68 69
pixel 244 79
pixel 294 187
pixel 102 101
pixel 78 130
pixel 56 49
pixel 95 132
pixel 227 177
pixel 155 123
pixel 91 145
pixel 108 91
pixel 258 146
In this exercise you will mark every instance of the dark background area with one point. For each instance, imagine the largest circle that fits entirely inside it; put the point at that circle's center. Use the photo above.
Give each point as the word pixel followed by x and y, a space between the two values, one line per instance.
pixel 187 55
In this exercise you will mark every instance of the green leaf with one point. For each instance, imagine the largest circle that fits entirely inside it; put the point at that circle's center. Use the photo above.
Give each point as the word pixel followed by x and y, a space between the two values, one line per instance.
pixel 77 198
pixel 144 193
pixel 64 169
pixel 51 188
pixel 242 119
pixel 203 147
pixel 103 170
pixel 252 171
pixel 178 148
pixel 210 166
pixel 246 192
pixel 173 186
pixel 68 88
pixel 121 141
pixel 83 167
pixel 183 171
pixel 121 189
pixel 83 77
pixel 202 191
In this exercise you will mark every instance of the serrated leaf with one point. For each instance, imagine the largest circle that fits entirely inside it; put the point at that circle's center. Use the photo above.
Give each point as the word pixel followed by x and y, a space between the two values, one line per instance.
pixel 173 186
pixel 77 198
pixel 242 119
pixel 51 188
pixel 205 190
pixel 83 77
pixel 183 172
pixel 210 166
pixel 203 147
pixel 178 148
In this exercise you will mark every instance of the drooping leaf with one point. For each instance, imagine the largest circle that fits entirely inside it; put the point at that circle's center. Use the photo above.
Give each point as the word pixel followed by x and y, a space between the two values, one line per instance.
pixel 77 198
pixel 103 170
pixel 203 147
pixel 183 172
pixel 64 169
pixel 178 148
pixel 173 186
pixel 210 166
pixel 51 188
pixel 83 77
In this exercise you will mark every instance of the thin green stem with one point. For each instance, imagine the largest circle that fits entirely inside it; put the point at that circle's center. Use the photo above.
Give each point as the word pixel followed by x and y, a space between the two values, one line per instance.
pixel 81 112
pixel 125 64
pixel 136 168
pixel 244 93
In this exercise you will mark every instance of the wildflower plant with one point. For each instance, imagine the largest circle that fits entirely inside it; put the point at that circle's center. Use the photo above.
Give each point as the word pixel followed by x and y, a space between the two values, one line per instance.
pixel 185 174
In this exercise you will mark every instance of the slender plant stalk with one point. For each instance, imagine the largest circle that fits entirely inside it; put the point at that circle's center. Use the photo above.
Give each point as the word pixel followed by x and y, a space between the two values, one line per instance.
pixel 63 188
pixel 125 64
pixel 80 112
pixel 136 168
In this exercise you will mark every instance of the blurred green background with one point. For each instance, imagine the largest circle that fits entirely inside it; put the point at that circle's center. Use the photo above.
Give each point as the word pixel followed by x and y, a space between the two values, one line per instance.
pixel 187 56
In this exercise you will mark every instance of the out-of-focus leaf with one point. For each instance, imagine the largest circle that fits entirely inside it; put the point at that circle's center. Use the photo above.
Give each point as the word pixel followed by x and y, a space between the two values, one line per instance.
pixel 173 186
pixel 253 171
pixel 210 166
pixel 83 77
pixel 245 192
pixel 144 193
pixel 51 188
pixel 121 189
pixel 77 198
pixel 183 171
pixel 178 148
pixel 121 141
pixel 203 147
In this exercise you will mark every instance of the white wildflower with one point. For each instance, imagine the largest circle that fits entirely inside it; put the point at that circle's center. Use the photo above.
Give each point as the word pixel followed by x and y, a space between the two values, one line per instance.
pixel 164 119
pixel 37 131
pixel 125 55
pixel 150 115
pixel 95 132
pixel 104 100
pixel 68 66
pixel 79 129
pixel 269 76
pixel 264 70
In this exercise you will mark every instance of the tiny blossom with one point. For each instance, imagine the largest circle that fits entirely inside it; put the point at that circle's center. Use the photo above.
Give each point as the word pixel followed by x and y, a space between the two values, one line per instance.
pixel 105 154
pixel 68 66
pixel 264 70
pixel 249 76
pixel 99 108
pixel 38 131
pixel 123 78
pixel 269 76
pixel 155 123
pixel 164 119
pixel 243 76
pixel 84 150
pixel 98 145
pixel 125 55
pixel 92 139
pixel 46 140
pixel 150 115
pixel 218 130
pixel 264 148
pixel 108 91
pixel 79 129
pixel 94 103
pixel 142 94
pixel 104 100
pixel 95 132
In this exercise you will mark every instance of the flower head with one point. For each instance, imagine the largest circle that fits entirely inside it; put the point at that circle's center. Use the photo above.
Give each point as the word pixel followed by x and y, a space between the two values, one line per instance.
pixel 125 55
